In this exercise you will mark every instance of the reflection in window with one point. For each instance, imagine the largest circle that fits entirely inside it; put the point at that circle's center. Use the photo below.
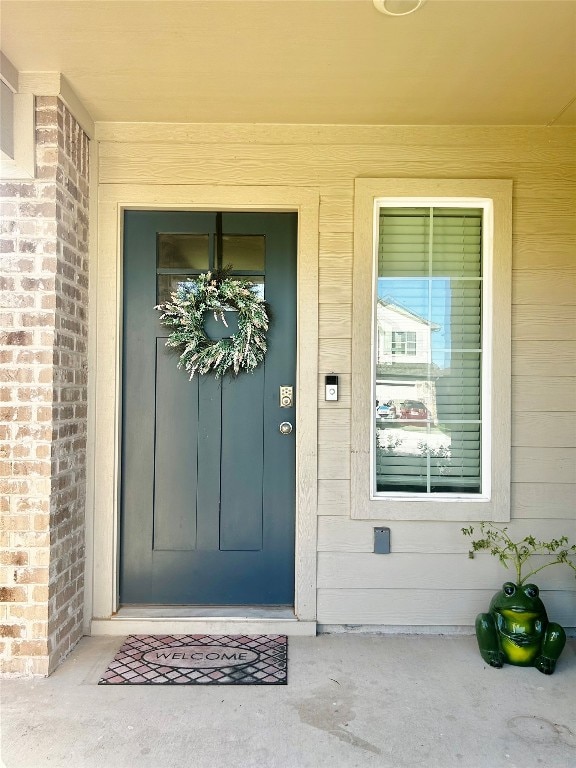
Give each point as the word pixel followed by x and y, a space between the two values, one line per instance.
pixel 169 284
pixel 182 251
pixel 428 355
pixel 244 252
pixel 182 256
pixel 403 343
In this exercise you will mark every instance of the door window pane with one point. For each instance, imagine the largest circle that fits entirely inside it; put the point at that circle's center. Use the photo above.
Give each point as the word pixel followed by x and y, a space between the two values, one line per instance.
pixel 168 284
pixel 182 251
pixel 244 252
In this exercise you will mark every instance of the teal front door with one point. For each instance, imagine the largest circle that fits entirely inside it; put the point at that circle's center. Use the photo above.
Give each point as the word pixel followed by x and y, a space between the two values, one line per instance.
pixel 208 478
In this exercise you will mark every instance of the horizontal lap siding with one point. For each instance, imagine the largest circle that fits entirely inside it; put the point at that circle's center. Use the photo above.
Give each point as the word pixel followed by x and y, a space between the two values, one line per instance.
pixel 357 570
pixel 370 135
pixel 340 534
pixel 421 607
pixel 428 579
pixel 550 324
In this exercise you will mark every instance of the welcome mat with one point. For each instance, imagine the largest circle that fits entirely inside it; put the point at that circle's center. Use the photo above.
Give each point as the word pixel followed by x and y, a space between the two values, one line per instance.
pixel 199 660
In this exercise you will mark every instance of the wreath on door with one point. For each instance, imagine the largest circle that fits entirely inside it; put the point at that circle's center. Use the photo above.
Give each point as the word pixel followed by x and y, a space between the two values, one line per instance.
pixel 216 293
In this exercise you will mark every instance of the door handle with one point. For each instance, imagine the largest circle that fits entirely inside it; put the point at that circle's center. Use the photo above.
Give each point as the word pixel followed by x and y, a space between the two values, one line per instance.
pixel 285 428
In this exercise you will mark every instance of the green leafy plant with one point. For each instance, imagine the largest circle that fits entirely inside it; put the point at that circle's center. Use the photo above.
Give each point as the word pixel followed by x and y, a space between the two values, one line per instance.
pixel 517 554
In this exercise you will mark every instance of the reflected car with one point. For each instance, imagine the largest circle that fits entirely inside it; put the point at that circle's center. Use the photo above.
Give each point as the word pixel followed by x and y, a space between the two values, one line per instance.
pixel 386 411
pixel 413 410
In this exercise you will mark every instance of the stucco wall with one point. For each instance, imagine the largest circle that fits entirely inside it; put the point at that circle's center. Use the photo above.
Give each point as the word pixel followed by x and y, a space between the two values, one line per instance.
pixel 43 369
pixel 428 579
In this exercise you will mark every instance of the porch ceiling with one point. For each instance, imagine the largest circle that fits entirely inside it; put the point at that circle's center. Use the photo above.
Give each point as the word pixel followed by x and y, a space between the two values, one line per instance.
pixel 475 62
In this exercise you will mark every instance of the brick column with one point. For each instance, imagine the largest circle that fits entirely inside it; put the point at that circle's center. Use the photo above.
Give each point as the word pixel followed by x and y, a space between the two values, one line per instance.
pixel 43 392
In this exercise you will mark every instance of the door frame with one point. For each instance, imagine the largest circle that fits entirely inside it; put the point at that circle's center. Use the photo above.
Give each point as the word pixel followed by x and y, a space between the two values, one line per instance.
pixel 105 366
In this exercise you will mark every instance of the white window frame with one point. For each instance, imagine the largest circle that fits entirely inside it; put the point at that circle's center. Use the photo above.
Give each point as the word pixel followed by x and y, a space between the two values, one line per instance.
pixel 17 158
pixel 408 346
pixel 495 197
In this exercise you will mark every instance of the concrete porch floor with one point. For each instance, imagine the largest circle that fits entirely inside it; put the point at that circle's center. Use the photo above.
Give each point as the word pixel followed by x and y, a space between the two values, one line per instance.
pixel 351 701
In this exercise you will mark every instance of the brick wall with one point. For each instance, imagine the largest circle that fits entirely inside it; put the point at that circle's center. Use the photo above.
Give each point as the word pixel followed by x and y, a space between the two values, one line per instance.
pixel 43 380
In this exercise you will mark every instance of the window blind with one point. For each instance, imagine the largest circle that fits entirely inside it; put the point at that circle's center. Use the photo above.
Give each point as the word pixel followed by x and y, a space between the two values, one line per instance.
pixel 430 274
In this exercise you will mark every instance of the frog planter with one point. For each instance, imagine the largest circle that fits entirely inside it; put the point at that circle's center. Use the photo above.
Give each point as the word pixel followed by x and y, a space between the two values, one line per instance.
pixel 516 630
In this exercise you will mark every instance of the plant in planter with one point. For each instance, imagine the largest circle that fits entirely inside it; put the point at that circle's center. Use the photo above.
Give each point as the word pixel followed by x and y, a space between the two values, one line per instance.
pixel 516 628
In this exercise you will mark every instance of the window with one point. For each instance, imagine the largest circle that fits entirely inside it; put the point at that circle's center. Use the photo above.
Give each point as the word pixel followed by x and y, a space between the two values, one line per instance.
pixel 403 343
pixel 17 142
pixel 429 271
pixel 438 268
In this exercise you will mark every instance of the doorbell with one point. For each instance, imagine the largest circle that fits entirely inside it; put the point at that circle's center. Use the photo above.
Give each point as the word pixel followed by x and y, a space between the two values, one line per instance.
pixel 331 387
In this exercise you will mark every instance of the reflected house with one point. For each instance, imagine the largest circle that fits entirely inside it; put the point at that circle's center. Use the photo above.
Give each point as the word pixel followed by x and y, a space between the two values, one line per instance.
pixel 442 453
pixel 404 368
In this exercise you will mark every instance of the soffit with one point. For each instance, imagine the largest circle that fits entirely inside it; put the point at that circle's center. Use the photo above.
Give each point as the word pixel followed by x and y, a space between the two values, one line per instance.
pixel 453 62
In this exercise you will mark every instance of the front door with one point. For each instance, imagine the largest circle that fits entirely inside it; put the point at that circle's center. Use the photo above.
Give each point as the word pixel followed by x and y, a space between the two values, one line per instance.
pixel 208 479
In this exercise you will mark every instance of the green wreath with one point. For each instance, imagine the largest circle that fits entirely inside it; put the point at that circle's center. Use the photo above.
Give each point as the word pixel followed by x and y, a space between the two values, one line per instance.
pixel 213 292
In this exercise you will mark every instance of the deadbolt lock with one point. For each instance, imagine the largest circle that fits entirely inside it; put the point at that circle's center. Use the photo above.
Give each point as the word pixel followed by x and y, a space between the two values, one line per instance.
pixel 286 397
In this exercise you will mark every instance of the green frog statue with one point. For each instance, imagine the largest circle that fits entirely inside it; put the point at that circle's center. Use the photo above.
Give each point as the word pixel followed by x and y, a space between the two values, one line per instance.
pixel 516 630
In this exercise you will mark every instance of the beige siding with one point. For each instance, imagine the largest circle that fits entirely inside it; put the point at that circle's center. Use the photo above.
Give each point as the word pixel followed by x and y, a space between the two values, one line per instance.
pixel 428 579
pixel 357 570
pixel 421 607
pixel 340 534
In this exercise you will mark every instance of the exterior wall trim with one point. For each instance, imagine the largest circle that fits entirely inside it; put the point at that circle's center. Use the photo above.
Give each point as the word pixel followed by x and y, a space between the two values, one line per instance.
pixel 106 353
pixel 55 84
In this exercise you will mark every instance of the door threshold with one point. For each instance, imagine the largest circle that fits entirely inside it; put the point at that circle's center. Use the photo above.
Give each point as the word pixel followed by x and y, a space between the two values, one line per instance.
pixel 140 611
pixel 208 620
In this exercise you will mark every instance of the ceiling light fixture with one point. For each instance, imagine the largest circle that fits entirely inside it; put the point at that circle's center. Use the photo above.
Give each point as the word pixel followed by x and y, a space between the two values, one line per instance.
pixel 381 5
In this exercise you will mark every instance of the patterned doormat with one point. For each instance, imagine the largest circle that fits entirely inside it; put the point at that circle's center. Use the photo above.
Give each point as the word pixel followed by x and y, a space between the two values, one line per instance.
pixel 199 660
